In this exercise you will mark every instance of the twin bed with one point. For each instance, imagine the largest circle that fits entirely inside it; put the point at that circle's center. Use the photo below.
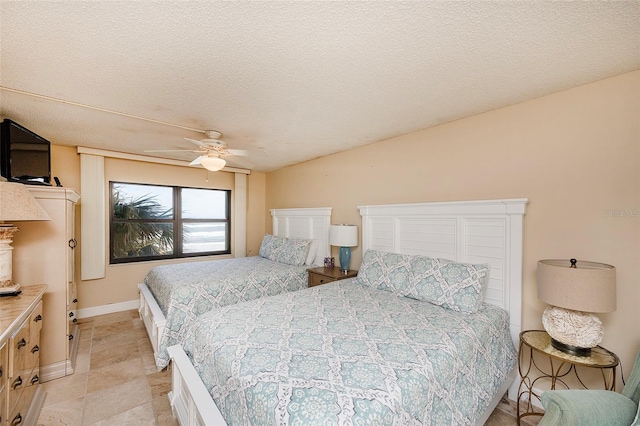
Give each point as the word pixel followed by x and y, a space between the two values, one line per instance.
pixel 172 296
pixel 413 339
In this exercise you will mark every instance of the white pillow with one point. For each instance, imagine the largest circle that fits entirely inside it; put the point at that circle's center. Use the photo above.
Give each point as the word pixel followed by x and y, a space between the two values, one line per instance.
pixel 313 250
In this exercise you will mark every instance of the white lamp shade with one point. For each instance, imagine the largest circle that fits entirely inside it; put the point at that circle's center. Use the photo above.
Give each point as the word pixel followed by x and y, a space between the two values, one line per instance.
pixel 343 235
pixel 17 204
pixel 213 164
pixel 589 287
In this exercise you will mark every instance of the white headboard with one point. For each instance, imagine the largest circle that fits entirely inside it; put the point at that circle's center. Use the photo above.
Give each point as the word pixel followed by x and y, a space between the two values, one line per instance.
pixel 306 223
pixel 465 231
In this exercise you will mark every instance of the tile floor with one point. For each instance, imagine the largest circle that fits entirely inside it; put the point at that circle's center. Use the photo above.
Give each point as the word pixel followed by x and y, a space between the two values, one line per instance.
pixel 116 381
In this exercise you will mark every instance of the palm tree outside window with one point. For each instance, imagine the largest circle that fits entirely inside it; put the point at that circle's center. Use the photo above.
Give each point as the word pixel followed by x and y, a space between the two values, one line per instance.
pixel 150 222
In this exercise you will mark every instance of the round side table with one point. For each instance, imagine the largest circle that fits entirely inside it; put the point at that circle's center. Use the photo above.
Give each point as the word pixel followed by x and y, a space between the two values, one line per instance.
pixel 561 365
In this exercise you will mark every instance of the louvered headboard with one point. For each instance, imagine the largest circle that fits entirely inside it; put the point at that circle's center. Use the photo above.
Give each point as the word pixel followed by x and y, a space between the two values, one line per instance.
pixel 306 223
pixel 488 231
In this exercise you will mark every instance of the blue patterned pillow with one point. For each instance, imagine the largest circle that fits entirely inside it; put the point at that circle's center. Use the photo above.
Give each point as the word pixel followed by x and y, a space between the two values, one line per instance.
pixel 291 251
pixel 386 271
pixel 270 244
pixel 452 285
pixel 456 286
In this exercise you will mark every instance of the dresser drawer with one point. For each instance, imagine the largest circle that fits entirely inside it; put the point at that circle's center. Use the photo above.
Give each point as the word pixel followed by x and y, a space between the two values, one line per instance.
pixel 16 385
pixel 4 410
pixel 35 324
pixel 320 275
pixel 18 413
pixel 34 377
pixel 4 365
pixel 315 279
pixel 19 343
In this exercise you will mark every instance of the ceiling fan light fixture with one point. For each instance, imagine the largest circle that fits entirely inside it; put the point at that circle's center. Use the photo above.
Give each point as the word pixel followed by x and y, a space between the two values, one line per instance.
pixel 213 164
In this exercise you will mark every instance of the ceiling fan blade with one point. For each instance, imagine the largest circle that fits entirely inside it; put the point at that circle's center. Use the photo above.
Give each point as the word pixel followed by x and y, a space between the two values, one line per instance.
pixel 197 161
pixel 199 143
pixel 168 150
pixel 240 152
pixel 241 163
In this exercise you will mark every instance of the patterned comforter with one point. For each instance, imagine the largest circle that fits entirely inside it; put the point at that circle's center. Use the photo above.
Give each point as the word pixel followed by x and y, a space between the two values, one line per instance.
pixel 186 290
pixel 347 354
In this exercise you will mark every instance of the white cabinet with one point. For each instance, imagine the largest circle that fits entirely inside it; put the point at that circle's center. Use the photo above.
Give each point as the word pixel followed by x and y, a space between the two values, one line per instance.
pixel 44 252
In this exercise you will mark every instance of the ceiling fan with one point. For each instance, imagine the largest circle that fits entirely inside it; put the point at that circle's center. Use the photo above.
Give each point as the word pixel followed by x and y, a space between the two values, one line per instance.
pixel 212 151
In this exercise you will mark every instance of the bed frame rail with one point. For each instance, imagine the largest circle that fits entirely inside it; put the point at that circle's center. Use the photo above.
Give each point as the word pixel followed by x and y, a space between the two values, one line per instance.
pixel 190 402
pixel 294 222
pixel 152 317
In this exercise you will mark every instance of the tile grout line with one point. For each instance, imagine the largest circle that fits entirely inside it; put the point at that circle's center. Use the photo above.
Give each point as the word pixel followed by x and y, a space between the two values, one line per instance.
pixel 86 382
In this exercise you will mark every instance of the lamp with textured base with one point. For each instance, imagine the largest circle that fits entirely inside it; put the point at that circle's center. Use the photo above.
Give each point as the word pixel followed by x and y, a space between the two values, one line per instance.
pixel 575 289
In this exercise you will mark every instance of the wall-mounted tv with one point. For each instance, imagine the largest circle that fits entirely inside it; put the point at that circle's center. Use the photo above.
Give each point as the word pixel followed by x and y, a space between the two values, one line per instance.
pixel 24 156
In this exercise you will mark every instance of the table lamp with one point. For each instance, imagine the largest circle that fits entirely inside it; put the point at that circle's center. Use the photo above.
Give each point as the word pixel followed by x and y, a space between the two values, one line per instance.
pixel 344 236
pixel 16 204
pixel 575 289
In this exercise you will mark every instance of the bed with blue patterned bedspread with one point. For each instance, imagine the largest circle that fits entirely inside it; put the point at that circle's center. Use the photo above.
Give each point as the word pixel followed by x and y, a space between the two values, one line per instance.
pixel 184 291
pixel 345 353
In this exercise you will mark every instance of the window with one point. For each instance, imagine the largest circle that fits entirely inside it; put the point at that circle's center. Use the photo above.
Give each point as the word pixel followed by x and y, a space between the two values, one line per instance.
pixel 150 222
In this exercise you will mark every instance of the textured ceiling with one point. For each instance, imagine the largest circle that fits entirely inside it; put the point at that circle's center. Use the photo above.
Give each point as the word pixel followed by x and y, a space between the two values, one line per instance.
pixel 293 81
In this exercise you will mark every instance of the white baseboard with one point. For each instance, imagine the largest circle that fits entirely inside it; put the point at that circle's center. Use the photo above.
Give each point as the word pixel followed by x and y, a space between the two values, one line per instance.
pixel 63 368
pixel 53 371
pixel 108 309
pixel 31 418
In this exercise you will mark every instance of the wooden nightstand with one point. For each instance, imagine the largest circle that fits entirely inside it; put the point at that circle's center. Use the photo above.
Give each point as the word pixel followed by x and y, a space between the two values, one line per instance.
pixel 559 366
pixel 322 275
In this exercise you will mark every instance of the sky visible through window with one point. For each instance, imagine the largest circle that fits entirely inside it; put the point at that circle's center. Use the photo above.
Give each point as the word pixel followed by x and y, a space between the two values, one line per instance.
pixel 203 204
pixel 196 203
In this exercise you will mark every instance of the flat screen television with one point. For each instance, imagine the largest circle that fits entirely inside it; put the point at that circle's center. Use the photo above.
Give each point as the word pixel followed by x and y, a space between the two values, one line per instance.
pixel 24 156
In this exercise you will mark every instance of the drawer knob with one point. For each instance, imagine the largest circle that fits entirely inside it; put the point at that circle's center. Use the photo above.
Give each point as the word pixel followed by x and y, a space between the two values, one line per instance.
pixel 21 343
pixel 75 320
pixel 0 376
pixel 71 337
pixel 75 300
pixel 322 281
pixel 38 318
pixel 71 314
pixel 35 349
pixel 17 383
pixel 35 379
pixel 16 420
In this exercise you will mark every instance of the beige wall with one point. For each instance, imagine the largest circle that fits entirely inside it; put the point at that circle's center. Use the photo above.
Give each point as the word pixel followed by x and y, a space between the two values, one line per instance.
pixel 574 154
pixel 119 285
pixel 256 225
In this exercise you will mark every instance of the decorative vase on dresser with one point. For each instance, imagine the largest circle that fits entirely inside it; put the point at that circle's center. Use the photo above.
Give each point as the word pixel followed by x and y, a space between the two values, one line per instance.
pixel 44 252
pixel 21 321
